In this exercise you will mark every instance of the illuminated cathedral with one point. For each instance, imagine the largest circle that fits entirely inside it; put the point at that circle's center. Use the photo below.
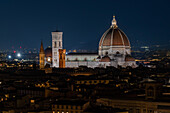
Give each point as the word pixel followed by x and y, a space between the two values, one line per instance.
pixel 114 50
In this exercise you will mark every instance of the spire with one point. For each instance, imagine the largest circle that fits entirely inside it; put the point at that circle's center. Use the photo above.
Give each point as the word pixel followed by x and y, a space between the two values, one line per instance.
pixel 42 49
pixel 114 23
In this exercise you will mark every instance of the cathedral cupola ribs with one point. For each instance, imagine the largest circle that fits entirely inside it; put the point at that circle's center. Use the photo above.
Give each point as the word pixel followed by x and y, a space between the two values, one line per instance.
pixel 114 40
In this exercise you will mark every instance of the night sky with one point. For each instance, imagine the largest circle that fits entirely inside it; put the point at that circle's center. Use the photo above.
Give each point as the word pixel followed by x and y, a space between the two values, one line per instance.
pixel 26 22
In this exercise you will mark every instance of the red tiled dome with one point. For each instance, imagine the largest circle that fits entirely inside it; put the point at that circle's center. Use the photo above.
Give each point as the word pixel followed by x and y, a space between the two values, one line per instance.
pixel 114 36
pixel 48 52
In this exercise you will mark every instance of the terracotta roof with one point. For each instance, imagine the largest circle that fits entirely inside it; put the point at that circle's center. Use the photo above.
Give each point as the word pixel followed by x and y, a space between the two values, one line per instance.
pixel 48 52
pixel 114 37
pixel 129 58
pixel 105 59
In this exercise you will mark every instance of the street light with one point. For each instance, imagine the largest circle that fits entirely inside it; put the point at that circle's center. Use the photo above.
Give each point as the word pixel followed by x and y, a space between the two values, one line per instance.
pixel 18 55
pixel 9 57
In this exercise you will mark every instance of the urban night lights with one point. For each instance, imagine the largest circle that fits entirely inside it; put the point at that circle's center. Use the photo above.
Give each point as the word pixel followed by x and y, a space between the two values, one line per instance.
pixel 84 56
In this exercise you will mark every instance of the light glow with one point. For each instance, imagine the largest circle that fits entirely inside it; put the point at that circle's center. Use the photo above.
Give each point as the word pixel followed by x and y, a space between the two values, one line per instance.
pixel 19 55
pixel 9 57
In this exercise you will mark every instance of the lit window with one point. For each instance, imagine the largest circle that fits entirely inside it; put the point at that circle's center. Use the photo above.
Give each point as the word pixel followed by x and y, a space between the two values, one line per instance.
pixel 7 96
pixel 32 101
pixel 49 59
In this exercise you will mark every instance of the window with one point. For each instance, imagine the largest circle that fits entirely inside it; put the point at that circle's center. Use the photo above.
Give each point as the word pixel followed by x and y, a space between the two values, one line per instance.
pixel 62 106
pixel 130 110
pixel 144 110
pixel 76 59
pixel 150 91
pixel 150 111
pixel 32 101
pixel 137 111
pixel 66 108
pixel 53 106
pixel 117 52
pixel 56 106
pixel 55 44
pixel 55 53
pixel 59 44
pixel 106 53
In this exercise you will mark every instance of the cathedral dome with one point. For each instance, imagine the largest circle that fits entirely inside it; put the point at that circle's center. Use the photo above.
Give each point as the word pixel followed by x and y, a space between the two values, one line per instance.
pixel 114 37
pixel 48 52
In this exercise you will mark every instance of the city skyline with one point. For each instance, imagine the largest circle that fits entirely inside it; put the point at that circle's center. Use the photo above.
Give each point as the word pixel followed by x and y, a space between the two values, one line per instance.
pixel 77 56
pixel 26 23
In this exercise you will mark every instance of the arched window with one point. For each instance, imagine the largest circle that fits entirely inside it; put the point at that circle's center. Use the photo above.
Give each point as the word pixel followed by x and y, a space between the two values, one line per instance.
pixel 59 44
pixel 150 91
pixel 55 44
pixel 76 59
pixel 106 53
pixel 117 52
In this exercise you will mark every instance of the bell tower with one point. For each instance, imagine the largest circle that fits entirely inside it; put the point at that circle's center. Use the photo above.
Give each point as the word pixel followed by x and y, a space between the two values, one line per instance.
pixel 56 45
pixel 41 57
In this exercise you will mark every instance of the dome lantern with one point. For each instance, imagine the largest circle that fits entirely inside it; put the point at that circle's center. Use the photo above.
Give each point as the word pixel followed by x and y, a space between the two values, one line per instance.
pixel 114 23
pixel 113 40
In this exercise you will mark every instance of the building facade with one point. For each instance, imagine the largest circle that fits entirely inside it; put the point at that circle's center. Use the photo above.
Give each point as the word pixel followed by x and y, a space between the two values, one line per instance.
pixel 137 106
pixel 114 50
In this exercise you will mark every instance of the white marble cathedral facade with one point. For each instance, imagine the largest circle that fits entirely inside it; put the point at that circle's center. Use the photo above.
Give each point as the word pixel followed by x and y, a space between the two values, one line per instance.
pixel 114 50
